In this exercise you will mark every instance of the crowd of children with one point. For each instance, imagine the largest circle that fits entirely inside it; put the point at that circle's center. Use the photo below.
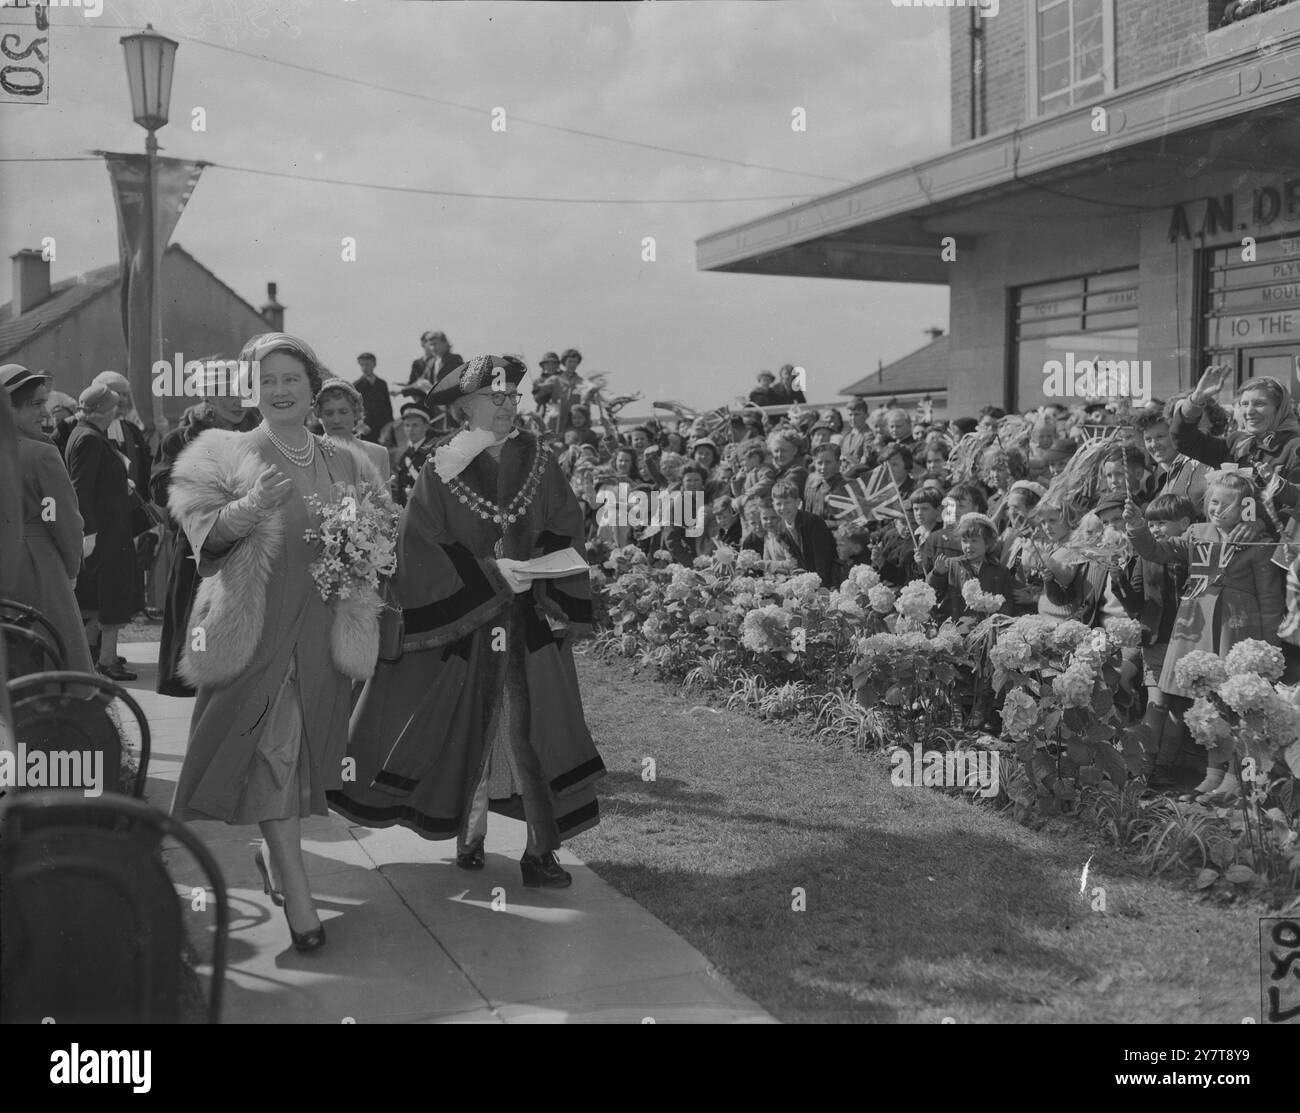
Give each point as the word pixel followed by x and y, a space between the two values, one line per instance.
pixel 1175 514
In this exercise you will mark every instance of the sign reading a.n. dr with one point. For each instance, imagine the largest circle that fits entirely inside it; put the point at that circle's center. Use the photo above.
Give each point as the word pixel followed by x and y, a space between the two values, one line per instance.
pixel 24 53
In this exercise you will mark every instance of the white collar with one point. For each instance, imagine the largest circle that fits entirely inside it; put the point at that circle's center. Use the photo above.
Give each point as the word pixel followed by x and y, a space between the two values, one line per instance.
pixel 456 455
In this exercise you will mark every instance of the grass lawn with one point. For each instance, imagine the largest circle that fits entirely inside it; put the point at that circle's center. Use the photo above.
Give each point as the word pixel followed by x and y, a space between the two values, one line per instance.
pixel 919 906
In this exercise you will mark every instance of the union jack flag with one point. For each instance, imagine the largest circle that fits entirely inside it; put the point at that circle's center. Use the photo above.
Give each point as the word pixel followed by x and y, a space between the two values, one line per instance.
pixel 874 499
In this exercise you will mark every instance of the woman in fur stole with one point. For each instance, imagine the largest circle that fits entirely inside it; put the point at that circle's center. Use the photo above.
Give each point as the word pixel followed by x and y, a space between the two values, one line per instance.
pixel 482 707
pixel 273 663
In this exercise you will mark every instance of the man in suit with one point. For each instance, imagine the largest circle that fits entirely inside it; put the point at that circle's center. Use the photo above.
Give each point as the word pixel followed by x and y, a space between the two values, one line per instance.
pixel 374 397
pixel 812 537
pixel 99 477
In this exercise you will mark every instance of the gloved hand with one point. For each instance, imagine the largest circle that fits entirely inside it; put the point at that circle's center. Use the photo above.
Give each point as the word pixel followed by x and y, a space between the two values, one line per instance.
pixel 88 545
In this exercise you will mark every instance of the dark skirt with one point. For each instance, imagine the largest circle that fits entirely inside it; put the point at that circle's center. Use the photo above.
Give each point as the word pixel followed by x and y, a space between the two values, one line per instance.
pixel 178 601
pixel 107 583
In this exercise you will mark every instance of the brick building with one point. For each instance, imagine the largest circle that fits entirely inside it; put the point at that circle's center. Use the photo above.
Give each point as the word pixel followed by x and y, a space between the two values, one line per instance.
pixel 1122 183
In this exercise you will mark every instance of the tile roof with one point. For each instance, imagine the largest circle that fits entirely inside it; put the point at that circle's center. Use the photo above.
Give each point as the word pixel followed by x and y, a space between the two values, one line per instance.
pixel 66 297
pixel 925 369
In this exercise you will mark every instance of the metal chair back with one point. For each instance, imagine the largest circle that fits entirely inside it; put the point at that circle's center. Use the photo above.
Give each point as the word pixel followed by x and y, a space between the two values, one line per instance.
pixel 29 618
pixel 66 713
pixel 30 651
pixel 91 920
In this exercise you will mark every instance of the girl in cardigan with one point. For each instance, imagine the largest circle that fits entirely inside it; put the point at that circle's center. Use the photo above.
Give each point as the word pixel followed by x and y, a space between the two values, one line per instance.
pixel 1233 590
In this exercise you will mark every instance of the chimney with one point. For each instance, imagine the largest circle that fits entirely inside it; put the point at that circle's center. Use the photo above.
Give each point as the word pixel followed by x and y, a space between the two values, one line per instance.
pixel 273 312
pixel 31 280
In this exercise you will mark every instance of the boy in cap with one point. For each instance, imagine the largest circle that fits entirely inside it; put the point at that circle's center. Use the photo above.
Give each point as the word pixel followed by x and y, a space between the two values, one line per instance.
pixel 417 422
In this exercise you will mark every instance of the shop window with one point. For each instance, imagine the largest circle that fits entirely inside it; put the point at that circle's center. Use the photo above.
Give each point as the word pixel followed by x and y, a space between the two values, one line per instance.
pixel 1092 318
pixel 1071 53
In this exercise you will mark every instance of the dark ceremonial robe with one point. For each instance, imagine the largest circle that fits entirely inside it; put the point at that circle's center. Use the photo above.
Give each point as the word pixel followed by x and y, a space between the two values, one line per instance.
pixel 423 730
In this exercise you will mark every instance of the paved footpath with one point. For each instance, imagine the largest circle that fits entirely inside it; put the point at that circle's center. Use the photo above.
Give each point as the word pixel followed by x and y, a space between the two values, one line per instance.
pixel 413 939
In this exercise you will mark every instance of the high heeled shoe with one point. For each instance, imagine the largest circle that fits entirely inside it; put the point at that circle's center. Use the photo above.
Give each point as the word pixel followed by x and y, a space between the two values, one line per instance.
pixel 544 872
pixel 277 897
pixel 305 940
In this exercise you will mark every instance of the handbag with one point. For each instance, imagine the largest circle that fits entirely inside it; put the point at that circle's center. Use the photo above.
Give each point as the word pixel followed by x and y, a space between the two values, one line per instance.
pixel 144 515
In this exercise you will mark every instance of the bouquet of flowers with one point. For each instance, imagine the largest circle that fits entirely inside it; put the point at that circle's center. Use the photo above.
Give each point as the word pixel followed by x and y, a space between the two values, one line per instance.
pixel 358 539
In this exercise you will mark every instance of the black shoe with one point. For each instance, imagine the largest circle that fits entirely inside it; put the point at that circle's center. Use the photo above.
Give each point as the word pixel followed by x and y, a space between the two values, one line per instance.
pixel 312 940
pixel 544 872
pixel 116 671
pixel 471 859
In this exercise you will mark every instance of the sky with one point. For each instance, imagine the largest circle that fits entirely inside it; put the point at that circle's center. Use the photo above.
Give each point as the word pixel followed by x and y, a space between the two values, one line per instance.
pixel 718 78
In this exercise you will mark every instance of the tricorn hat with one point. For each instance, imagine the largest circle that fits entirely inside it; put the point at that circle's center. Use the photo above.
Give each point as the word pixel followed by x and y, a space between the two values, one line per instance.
pixel 479 372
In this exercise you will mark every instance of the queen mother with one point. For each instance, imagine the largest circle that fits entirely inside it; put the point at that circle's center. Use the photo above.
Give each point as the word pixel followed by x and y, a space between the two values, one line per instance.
pixel 273 662
pixel 481 708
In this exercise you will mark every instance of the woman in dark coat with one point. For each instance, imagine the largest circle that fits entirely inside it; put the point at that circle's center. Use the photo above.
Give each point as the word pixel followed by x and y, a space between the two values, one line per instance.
pixel 106 586
pixel 222 410
pixel 482 709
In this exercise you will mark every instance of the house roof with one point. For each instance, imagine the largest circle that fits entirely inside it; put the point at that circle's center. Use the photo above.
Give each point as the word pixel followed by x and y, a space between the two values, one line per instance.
pixel 66 297
pixel 70 295
pixel 924 370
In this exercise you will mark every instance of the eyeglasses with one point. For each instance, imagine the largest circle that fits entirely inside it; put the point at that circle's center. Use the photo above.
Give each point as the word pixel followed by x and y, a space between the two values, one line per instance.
pixel 500 397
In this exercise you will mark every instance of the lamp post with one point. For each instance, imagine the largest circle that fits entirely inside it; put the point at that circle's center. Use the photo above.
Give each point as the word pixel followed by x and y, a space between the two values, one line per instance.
pixel 150 60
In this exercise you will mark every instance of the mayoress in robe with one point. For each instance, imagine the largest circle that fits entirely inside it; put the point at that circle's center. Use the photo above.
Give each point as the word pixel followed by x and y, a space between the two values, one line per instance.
pixel 482 708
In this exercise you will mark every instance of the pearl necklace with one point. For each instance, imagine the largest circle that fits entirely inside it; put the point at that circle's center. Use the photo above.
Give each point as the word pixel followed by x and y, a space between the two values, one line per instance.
pixel 514 510
pixel 299 457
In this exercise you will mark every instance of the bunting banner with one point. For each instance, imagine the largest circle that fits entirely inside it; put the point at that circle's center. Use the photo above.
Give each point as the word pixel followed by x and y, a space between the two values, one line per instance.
pixel 175 180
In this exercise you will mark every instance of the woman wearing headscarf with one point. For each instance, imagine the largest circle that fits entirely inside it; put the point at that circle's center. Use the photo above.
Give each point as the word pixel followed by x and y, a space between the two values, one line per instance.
pixel 222 408
pixel 50 557
pixel 1266 442
pixel 482 708
pixel 1266 437
pixel 273 662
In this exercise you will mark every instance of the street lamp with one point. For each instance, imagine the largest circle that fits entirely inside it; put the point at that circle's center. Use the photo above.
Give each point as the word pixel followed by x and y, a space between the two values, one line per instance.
pixel 150 60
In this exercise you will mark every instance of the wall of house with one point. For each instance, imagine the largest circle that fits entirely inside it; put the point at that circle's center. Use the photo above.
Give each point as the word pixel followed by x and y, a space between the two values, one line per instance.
pixel 200 318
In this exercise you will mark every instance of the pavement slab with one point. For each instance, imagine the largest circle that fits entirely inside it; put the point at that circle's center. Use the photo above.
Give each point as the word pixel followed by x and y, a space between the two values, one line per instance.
pixel 411 939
